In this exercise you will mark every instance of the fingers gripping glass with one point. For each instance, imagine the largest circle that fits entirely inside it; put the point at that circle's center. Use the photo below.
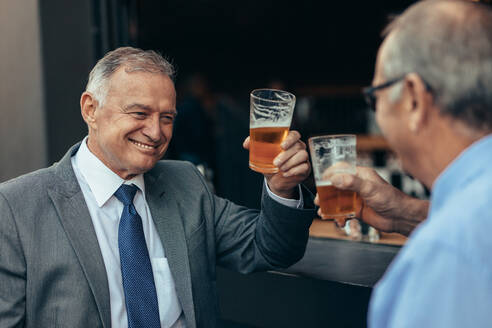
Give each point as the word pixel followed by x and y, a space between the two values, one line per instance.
pixel 369 91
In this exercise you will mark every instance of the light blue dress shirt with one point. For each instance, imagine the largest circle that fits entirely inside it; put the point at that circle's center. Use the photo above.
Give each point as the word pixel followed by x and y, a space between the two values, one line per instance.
pixel 443 275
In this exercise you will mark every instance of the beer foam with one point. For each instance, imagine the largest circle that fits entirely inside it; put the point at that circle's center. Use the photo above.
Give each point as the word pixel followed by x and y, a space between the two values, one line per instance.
pixel 269 124
pixel 270 115
pixel 323 183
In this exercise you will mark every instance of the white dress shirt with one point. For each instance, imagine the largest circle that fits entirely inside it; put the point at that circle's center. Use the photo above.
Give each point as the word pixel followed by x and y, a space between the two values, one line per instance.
pixel 295 203
pixel 98 184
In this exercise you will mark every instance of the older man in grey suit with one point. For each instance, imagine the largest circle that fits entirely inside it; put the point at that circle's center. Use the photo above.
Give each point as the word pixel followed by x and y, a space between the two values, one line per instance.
pixel 113 237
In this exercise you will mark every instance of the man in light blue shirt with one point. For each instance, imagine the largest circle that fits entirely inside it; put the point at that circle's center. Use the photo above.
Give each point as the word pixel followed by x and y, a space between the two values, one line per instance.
pixel 443 276
pixel 432 93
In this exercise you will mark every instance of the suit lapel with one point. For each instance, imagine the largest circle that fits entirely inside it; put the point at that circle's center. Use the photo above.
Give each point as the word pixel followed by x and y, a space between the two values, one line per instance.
pixel 169 225
pixel 74 215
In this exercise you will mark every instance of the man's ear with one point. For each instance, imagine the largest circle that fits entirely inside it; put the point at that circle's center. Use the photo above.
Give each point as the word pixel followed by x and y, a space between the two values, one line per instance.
pixel 88 105
pixel 418 103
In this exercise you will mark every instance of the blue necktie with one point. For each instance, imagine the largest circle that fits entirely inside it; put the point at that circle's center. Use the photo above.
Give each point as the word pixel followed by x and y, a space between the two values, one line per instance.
pixel 138 281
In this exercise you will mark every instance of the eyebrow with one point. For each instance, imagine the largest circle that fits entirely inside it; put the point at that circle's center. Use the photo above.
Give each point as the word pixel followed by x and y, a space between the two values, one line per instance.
pixel 148 108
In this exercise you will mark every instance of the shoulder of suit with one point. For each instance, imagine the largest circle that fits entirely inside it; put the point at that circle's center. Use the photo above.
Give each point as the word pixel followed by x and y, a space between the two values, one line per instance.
pixel 175 166
pixel 174 169
pixel 182 176
pixel 29 183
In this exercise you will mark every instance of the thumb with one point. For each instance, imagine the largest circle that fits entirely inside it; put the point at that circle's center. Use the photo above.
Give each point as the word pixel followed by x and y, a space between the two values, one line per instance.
pixel 351 182
pixel 246 143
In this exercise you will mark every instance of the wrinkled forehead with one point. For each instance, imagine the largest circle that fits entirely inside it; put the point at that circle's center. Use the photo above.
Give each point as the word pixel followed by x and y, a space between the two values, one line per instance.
pixel 125 76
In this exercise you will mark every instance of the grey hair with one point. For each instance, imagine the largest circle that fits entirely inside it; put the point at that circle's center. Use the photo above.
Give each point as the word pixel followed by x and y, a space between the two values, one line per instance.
pixel 133 59
pixel 448 43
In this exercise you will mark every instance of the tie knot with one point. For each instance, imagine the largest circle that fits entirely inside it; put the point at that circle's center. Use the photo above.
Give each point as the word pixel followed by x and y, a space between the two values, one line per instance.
pixel 125 193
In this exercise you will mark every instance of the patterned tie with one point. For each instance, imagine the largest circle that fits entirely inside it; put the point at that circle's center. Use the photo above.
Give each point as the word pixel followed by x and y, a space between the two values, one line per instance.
pixel 138 281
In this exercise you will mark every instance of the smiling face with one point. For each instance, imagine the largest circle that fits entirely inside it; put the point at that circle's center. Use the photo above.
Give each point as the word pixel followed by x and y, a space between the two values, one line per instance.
pixel 133 128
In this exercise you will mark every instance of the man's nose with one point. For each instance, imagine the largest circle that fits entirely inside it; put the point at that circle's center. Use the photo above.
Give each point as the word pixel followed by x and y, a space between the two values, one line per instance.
pixel 152 128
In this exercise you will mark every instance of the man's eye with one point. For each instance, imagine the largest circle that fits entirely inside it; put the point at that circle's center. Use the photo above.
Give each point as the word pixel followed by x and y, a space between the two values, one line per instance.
pixel 139 114
pixel 167 118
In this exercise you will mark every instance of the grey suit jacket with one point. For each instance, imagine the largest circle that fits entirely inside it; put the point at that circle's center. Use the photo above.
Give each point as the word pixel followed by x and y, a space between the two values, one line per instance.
pixel 51 269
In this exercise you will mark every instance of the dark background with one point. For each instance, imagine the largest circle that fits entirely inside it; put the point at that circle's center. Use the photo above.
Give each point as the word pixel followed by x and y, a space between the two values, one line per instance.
pixel 316 48
pixel 322 51
pixel 241 45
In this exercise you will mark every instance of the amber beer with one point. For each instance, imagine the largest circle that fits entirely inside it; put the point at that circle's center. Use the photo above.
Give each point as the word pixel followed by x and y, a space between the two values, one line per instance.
pixel 265 146
pixel 335 202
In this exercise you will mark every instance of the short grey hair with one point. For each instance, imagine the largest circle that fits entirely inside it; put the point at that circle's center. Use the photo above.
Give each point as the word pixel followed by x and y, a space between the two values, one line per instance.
pixel 133 59
pixel 448 43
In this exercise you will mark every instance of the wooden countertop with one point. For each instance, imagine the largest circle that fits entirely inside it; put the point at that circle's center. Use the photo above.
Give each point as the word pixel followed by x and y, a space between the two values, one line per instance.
pixel 369 143
pixel 328 229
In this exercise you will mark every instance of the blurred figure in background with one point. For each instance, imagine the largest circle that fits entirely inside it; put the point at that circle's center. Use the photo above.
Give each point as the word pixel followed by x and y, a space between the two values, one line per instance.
pixel 432 92
pixel 209 132
pixel 195 127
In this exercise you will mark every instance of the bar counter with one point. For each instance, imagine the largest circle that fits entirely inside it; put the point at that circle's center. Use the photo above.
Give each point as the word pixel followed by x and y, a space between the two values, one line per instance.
pixel 329 287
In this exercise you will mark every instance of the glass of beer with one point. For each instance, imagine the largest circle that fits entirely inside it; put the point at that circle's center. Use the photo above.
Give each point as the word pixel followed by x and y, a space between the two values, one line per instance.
pixel 269 122
pixel 333 154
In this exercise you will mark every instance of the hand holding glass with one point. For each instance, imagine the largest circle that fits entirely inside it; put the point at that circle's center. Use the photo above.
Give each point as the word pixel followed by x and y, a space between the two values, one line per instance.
pixel 330 155
pixel 269 122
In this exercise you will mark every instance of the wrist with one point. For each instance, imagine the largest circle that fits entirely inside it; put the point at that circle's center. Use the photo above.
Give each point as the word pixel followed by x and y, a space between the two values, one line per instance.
pixel 412 212
pixel 288 194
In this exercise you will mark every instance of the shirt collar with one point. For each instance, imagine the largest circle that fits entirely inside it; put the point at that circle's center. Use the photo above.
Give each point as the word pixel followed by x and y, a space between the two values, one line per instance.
pixel 463 169
pixel 101 180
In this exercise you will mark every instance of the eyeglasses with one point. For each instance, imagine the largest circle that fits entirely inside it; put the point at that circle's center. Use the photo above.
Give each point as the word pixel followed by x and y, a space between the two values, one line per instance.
pixel 369 91
pixel 370 98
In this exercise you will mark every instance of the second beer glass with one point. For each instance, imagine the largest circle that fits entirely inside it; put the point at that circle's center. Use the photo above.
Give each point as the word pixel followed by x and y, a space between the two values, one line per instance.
pixel 269 122
pixel 330 155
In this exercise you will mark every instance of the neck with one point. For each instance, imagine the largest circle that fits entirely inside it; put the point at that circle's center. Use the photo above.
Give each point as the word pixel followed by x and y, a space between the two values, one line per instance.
pixel 94 149
pixel 444 142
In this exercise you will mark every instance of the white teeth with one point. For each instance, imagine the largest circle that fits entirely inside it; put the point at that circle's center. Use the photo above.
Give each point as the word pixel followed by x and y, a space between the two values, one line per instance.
pixel 139 144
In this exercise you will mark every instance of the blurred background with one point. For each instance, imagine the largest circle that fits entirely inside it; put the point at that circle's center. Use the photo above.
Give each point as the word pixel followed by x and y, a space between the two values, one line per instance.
pixel 322 51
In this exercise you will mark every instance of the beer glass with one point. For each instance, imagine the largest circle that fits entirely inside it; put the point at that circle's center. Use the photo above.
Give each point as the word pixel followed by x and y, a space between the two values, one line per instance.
pixel 269 122
pixel 329 155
